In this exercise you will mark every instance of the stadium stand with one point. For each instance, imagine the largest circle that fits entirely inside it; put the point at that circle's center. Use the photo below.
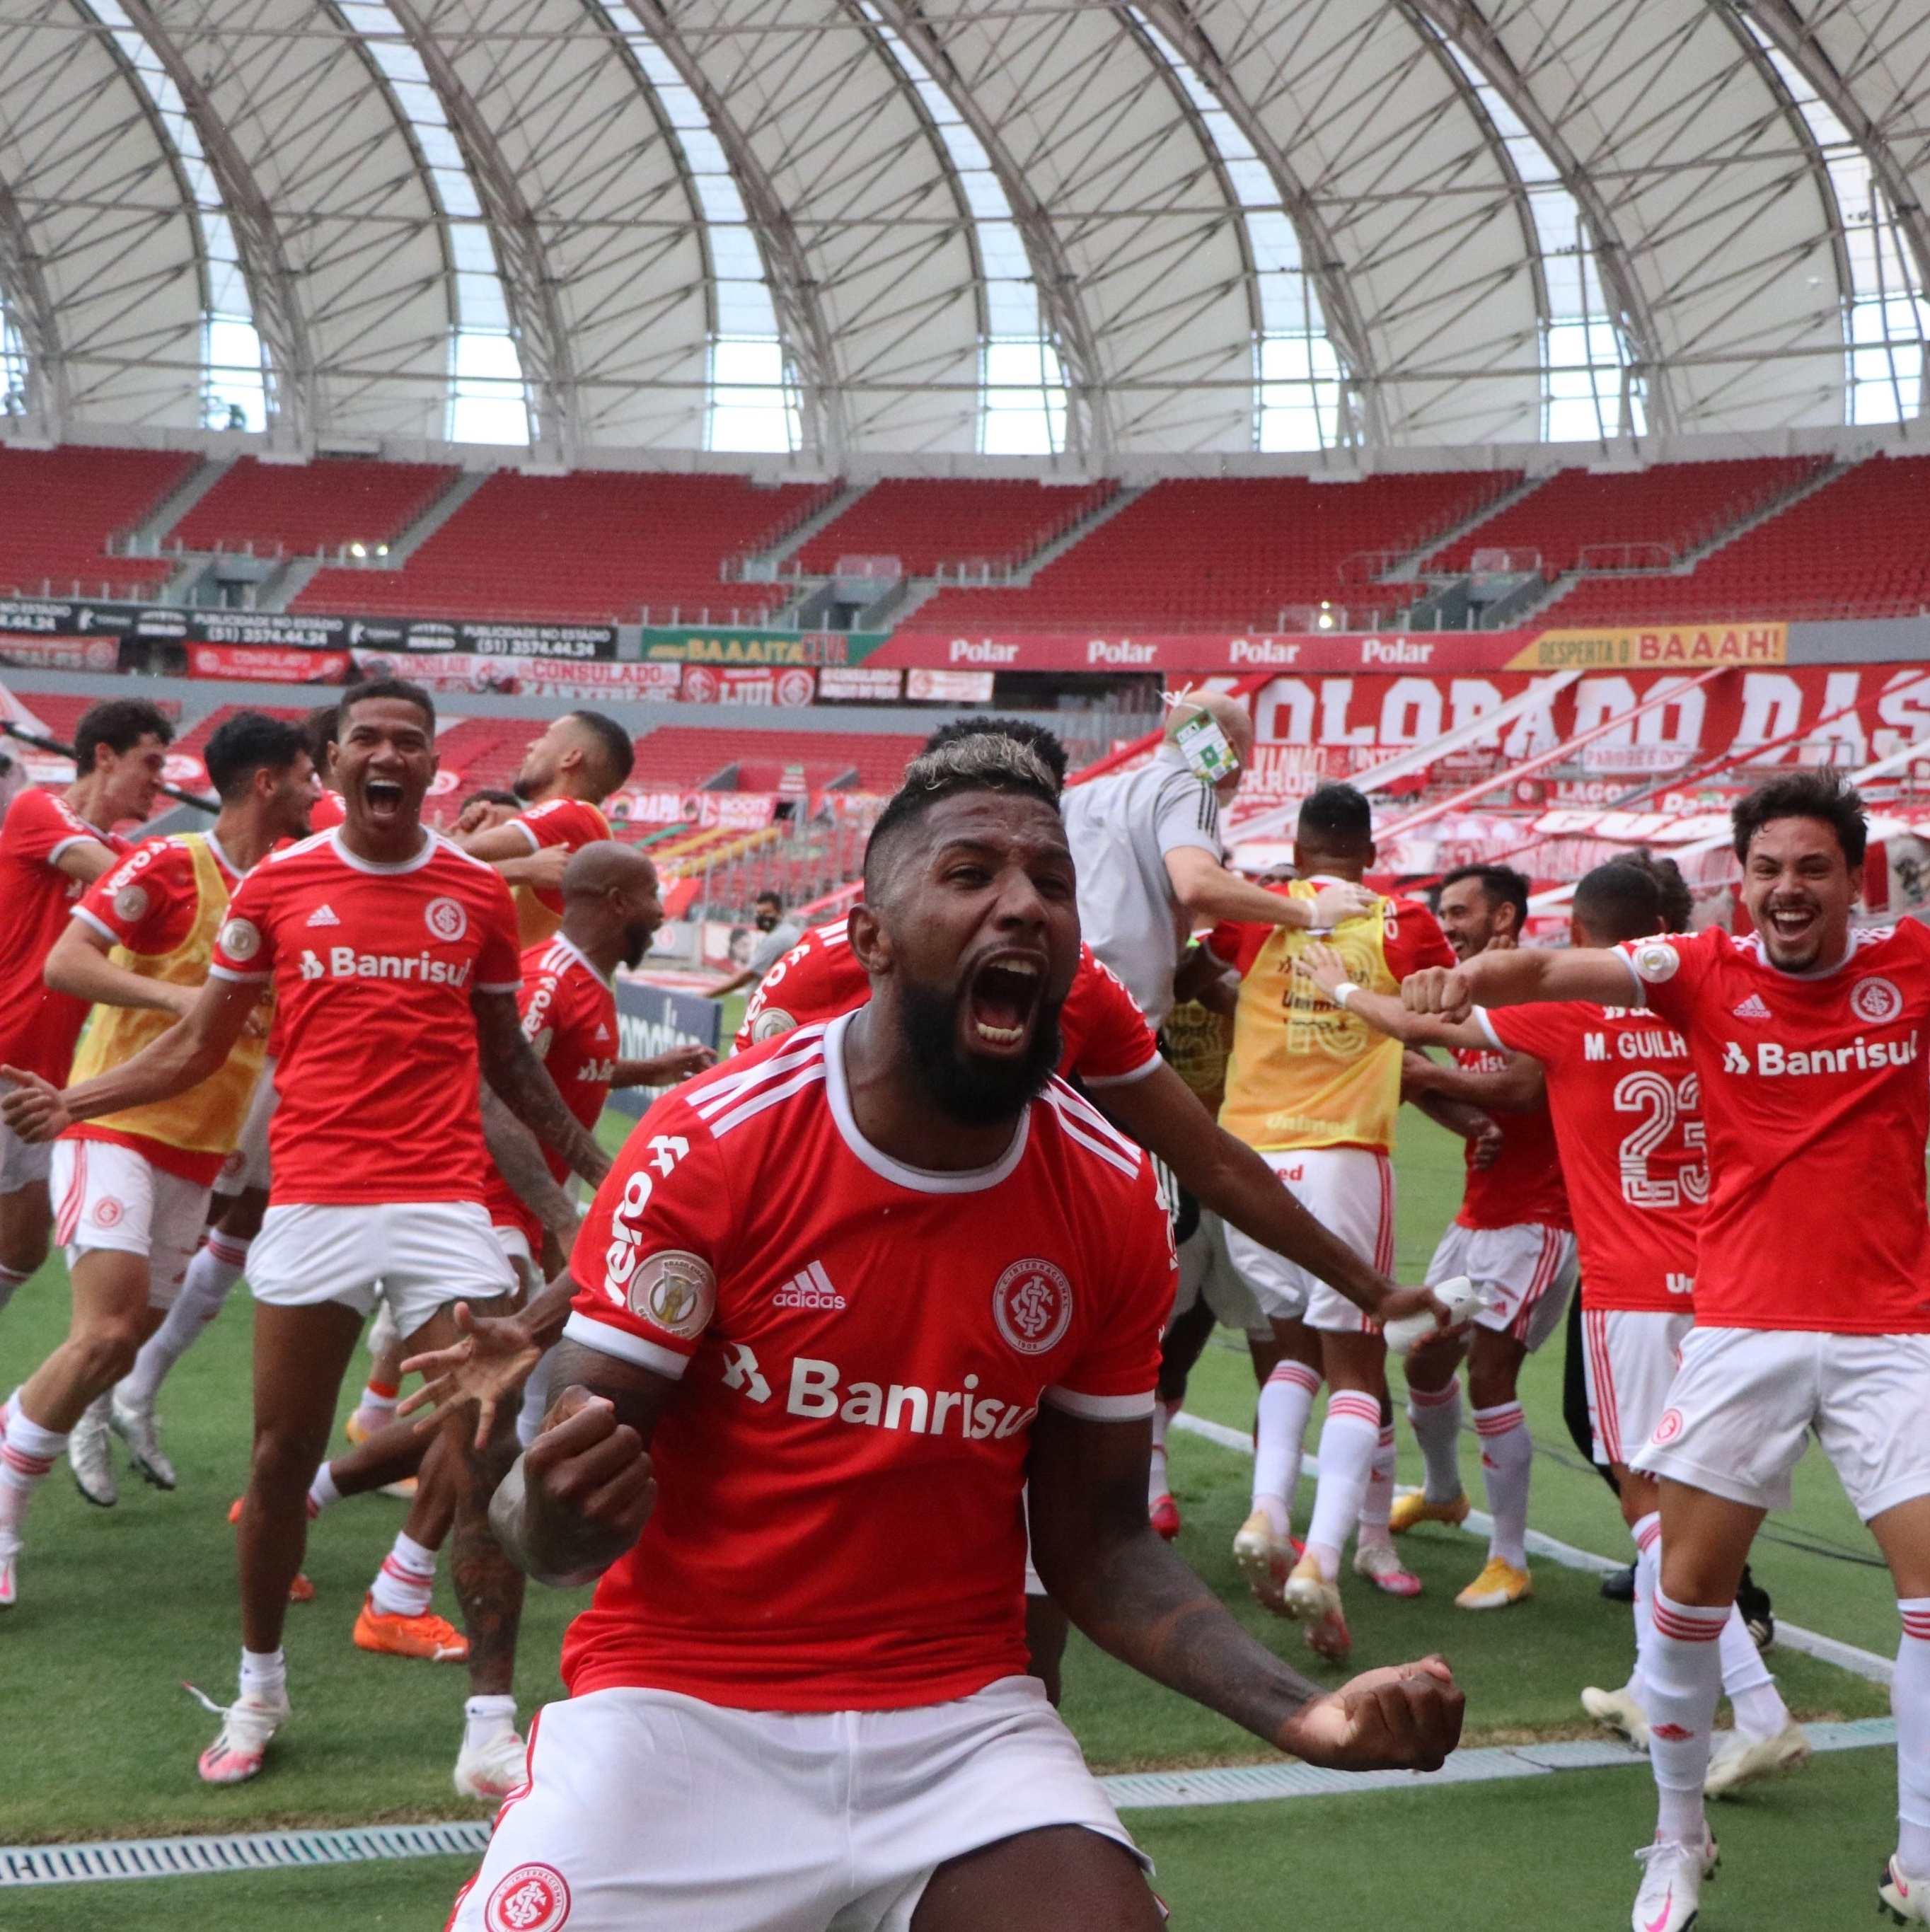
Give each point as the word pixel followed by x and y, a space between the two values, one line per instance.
pixel 1642 519
pixel 59 507
pixel 938 525
pixel 1859 547
pixel 594 546
pixel 302 509
pixel 691 757
pixel 1231 552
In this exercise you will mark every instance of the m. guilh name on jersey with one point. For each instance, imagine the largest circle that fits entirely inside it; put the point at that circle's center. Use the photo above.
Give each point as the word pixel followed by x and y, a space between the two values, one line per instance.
pixel 1650 1043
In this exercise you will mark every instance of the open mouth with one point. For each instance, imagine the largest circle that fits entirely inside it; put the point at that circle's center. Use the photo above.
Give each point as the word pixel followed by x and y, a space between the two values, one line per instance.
pixel 383 797
pixel 1002 1000
pixel 1790 924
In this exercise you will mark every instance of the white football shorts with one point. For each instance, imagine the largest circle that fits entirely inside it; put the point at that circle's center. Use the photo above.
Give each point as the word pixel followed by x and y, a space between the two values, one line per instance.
pixel 247 1165
pixel 419 1255
pixel 1742 1404
pixel 514 1243
pixel 637 1813
pixel 108 1196
pixel 1350 1191
pixel 22 1163
pixel 1629 1358
pixel 1206 1270
pixel 1527 1270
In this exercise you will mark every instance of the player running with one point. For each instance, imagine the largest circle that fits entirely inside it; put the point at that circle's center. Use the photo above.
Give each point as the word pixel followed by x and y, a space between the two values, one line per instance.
pixel 1638 1198
pixel 394 963
pixel 1812 1278
pixel 836 1302
pixel 1315 1094
pixel 132 1184
pixel 52 846
pixel 566 775
pixel 1512 1237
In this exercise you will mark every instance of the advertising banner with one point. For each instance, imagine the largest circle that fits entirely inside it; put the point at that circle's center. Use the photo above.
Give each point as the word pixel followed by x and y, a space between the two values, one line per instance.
pixel 267 664
pixel 60 653
pixel 663 644
pixel 858 684
pixel 527 677
pixel 651 1020
pixel 729 811
pixel 743 684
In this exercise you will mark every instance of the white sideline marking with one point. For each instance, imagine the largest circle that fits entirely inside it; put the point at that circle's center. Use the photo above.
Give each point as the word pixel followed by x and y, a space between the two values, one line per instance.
pixel 1865 1664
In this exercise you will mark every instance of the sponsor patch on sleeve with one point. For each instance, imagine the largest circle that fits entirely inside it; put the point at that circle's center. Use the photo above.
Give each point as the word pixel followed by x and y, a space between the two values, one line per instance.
pixel 676 1290
pixel 1656 960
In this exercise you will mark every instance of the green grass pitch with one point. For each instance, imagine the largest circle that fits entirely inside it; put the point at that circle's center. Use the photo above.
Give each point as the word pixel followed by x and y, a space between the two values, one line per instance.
pixel 118 1607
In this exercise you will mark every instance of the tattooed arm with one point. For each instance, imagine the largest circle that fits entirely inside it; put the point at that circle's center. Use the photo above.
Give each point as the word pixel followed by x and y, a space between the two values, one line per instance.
pixel 510 1066
pixel 1136 1598
pixel 579 1496
pixel 520 1161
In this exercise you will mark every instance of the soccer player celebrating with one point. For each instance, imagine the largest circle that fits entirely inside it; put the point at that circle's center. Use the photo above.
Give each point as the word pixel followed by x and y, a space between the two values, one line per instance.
pixel 566 775
pixel 1315 1094
pixel 394 962
pixel 1512 1238
pixel 1812 1277
pixel 53 845
pixel 133 1183
pixel 1637 1199
pixel 837 1300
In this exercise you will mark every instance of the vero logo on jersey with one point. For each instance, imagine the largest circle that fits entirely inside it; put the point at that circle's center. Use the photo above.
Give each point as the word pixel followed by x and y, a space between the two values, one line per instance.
pixel 1860 1056
pixel 808 1287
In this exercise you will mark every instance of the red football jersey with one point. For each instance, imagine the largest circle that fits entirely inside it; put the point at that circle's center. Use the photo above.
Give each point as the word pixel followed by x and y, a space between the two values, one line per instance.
pixel 570 822
pixel 373 967
pixel 38 1027
pixel 861 1346
pixel 569 1018
pixel 1817 1110
pixel 328 811
pixel 1524 1183
pixel 1103 1036
pixel 1627 1108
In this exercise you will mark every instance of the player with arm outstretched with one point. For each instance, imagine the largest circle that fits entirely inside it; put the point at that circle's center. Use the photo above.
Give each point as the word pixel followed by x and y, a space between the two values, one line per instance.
pixel 838 1300
pixel 1812 1277
pixel 393 964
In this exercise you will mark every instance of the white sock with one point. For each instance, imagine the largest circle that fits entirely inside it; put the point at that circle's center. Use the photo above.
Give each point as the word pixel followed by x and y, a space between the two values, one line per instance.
pixel 487 1718
pixel 1507 1456
pixel 1377 1505
pixel 1648 1535
pixel 205 1287
pixel 1909 1700
pixel 27 1452
pixel 1436 1417
pixel 1280 1439
pixel 1746 1681
pixel 403 1584
pixel 265 1676
pixel 321 1492
pixel 376 1406
pixel 1348 1438
pixel 1684 1676
pixel 536 1401
pixel 1157 1484
pixel 10 1280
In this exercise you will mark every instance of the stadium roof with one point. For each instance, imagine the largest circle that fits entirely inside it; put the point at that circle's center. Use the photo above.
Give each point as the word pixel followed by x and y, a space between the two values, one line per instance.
pixel 861 228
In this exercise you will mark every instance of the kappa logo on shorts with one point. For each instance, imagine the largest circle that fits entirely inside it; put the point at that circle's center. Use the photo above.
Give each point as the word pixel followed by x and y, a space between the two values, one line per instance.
pixel 1875 1001
pixel 1032 1305
pixel 1668 1429
pixel 108 1212
pixel 532 1898
pixel 241 939
pixel 446 920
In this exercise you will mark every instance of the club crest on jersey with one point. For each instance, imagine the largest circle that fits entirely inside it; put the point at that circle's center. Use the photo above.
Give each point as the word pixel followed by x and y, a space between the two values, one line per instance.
pixel 130 904
pixel 1656 962
pixel 676 1290
pixel 1668 1429
pixel 1875 1001
pixel 107 1212
pixel 532 1898
pixel 446 920
pixel 1032 1305
pixel 241 939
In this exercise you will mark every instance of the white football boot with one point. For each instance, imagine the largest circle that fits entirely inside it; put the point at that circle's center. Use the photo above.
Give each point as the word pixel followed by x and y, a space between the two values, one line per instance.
pixel 90 1454
pixel 1906 1899
pixel 1671 1890
pixel 1621 1711
pixel 1741 1758
pixel 10 1556
pixel 494 1768
pixel 247 1725
pixel 134 1422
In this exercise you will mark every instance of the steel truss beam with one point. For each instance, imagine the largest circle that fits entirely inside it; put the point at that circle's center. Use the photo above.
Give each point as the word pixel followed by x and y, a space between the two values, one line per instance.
pixel 542 335
pixel 807 336
pixel 1088 417
pixel 1462 23
pixel 33 314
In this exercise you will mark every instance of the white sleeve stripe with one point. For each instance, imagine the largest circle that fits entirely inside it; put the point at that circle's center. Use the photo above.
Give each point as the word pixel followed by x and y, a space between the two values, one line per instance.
pixel 1139 1072
pixel 1487 1025
pixel 1641 984
pixel 536 844
pixel 240 978
pixel 99 925
pixel 608 1339
pixel 76 839
pixel 1099 1408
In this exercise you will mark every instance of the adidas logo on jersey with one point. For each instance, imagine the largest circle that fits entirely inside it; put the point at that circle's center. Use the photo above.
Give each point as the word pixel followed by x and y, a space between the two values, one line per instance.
pixel 1755 1007
pixel 323 915
pixel 809 1287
